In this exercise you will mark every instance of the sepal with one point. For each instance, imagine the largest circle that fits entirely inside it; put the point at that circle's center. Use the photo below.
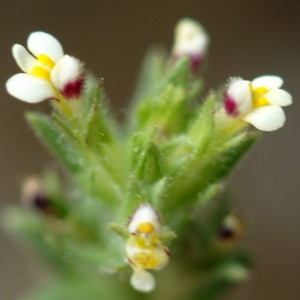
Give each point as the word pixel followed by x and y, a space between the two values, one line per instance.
pixel 57 141
pixel 151 74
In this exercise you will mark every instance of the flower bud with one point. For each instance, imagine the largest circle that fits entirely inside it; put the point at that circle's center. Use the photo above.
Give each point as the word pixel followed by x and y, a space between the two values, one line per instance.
pixel 190 39
pixel 231 231
pixel 33 195
pixel 143 248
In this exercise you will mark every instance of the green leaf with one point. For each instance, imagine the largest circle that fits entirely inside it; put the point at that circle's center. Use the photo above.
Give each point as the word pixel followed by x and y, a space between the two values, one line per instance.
pixel 62 124
pixel 157 192
pixel 152 72
pixel 149 168
pixel 97 132
pixel 202 130
pixel 137 145
pixel 119 230
pixel 209 288
pixel 168 106
pixel 55 194
pixel 168 111
pixel 56 140
pixel 34 229
pixel 179 75
pixel 197 175
pixel 226 159
pixel 85 287
pixel 209 218
pixel 92 92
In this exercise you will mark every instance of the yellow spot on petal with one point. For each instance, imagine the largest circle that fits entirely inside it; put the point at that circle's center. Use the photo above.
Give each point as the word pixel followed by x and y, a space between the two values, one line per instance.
pixel 259 91
pixel 147 259
pixel 142 254
pixel 46 61
pixel 260 101
pixel 147 240
pixel 41 73
pixel 146 227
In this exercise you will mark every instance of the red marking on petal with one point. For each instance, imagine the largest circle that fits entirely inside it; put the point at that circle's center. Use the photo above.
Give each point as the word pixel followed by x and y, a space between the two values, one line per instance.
pixel 130 261
pixel 73 89
pixel 195 62
pixel 167 252
pixel 230 106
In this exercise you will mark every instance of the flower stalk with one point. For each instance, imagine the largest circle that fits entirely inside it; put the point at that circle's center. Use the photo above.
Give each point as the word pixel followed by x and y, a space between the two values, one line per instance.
pixel 144 206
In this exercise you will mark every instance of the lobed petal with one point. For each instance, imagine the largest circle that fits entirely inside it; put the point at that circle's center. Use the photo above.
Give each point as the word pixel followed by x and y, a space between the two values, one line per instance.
pixel 190 38
pixel 144 214
pixel 266 118
pixel 239 91
pixel 23 58
pixel 268 81
pixel 44 43
pixel 142 280
pixel 67 70
pixel 278 97
pixel 29 88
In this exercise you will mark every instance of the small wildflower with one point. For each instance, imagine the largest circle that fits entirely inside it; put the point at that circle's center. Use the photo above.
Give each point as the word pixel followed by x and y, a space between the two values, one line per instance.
pixel 33 195
pixel 190 39
pixel 47 72
pixel 144 249
pixel 231 231
pixel 257 102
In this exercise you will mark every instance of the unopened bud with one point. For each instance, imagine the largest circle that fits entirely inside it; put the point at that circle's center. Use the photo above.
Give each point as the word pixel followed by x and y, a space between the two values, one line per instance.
pixel 190 39
pixel 33 195
pixel 231 231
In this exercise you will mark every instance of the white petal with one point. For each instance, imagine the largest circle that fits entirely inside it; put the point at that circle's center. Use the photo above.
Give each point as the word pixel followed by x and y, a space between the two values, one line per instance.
pixel 67 70
pixel 44 43
pixel 269 82
pixel 142 280
pixel 23 59
pixel 278 97
pixel 190 38
pixel 29 88
pixel 144 213
pixel 239 91
pixel 266 118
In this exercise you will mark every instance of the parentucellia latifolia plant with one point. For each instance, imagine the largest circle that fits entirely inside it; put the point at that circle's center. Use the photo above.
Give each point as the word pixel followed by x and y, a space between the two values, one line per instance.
pixel 140 211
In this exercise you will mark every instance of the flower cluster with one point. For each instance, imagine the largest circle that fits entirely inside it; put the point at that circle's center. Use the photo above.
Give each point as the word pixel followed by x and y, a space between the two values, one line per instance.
pixel 257 102
pixel 144 249
pixel 172 161
pixel 48 72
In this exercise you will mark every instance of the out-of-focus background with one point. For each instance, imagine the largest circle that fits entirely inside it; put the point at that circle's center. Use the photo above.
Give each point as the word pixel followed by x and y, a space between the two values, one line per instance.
pixel 248 39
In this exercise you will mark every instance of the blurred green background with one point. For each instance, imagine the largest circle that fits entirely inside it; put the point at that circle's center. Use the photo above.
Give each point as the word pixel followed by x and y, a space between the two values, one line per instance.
pixel 248 39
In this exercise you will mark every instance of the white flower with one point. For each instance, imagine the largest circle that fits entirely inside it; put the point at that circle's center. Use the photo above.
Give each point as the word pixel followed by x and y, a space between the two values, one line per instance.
pixel 47 71
pixel 145 219
pixel 142 280
pixel 190 39
pixel 257 102
pixel 144 249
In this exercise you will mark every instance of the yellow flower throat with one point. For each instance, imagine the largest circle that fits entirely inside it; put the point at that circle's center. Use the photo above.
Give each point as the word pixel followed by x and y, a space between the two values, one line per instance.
pixel 43 72
pixel 257 96
pixel 149 252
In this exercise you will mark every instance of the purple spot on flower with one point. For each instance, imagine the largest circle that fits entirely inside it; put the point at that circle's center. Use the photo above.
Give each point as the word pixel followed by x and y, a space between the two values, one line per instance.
pixel 230 106
pixel 226 233
pixel 73 89
pixel 195 62
pixel 40 202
